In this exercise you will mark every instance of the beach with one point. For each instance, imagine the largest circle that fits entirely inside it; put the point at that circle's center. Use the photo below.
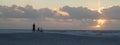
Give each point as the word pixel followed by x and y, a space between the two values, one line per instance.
pixel 38 38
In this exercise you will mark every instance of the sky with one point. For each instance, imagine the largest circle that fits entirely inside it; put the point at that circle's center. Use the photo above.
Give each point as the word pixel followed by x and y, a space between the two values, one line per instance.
pixel 60 14
pixel 92 4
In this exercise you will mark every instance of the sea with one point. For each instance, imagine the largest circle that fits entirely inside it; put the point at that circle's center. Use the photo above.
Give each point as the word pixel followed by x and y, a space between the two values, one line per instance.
pixel 92 33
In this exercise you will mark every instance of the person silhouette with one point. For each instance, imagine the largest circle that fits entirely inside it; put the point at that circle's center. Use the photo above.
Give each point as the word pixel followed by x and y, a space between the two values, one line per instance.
pixel 33 27
pixel 38 29
pixel 41 30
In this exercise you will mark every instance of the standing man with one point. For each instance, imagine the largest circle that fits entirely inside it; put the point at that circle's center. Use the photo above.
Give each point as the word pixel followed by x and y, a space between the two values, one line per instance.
pixel 38 29
pixel 33 27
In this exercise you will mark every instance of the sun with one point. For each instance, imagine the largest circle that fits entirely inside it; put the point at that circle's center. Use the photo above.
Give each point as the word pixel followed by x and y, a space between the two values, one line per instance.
pixel 100 23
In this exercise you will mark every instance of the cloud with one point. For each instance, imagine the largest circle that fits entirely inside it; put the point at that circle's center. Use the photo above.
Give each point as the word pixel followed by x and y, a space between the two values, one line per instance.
pixel 80 12
pixel 22 17
pixel 15 23
pixel 112 24
pixel 18 12
pixel 112 12
pixel 64 18
pixel 29 12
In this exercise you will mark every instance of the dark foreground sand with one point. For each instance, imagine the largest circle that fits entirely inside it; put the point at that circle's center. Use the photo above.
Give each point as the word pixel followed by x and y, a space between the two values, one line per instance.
pixel 54 39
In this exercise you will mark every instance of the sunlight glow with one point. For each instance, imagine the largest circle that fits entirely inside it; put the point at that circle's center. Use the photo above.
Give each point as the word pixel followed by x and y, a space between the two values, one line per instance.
pixel 100 22
pixel 60 12
pixel 98 26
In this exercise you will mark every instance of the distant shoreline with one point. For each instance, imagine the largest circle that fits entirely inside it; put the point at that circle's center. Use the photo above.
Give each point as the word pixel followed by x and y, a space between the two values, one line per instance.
pixel 63 29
